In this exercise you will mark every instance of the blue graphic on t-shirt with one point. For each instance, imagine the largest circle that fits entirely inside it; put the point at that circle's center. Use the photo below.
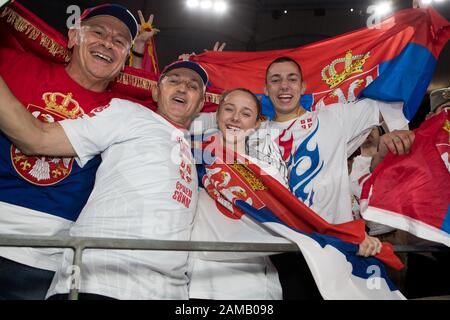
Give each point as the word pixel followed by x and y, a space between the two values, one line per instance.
pixel 310 164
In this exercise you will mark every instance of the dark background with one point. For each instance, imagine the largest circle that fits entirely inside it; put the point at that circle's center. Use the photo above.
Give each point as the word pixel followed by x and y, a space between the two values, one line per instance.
pixel 248 25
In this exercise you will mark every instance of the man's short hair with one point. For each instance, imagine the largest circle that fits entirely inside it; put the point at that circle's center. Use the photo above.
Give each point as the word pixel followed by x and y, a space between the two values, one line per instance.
pixel 196 67
pixel 284 59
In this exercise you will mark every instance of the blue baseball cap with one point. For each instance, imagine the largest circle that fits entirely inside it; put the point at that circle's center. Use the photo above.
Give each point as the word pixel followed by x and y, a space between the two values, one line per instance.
pixel 114 10
pixel 197 68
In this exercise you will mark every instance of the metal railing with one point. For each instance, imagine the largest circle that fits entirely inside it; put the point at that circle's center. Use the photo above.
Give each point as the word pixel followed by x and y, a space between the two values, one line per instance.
pixel 78 244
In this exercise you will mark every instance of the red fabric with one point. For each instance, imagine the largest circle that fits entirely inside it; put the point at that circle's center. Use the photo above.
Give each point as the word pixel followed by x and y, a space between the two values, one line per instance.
pixel 24 39
pixel 287 207
pixel 150 60
pixel 137 90
pixel 47 91
pixel 296 214
pixel 415 185
pixel 300 214
pixel 51 46
pixel 247 69
pixel 8 40
pixel 30 77
pixel 388 256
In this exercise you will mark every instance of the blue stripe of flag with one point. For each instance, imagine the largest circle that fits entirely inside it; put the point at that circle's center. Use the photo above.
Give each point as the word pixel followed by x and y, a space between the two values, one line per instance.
pixel 360 264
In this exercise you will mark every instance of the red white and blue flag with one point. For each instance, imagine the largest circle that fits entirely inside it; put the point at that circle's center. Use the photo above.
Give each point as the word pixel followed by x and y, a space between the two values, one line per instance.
pixel 392 61
pixel 412 192
pixel 246 204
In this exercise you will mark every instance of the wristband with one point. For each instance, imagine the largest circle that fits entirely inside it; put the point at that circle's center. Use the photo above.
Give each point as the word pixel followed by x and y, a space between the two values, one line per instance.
pixel 137 54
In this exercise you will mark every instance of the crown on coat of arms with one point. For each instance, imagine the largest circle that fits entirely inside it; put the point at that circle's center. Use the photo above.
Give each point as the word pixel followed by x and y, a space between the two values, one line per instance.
pixel 62 104
pixel 352 64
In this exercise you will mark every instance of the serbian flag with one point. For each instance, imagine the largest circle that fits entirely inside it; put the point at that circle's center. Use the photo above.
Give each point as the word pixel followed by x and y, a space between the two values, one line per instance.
pixel 391 61
pixel 412 192
pixel 250 205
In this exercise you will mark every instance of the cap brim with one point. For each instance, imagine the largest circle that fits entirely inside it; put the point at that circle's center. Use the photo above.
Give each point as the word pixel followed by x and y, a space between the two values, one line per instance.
pixel 117 11
pixel 188 65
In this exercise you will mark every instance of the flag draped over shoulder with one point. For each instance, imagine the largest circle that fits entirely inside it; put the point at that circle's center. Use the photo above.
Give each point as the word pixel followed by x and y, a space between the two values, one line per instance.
pixel 412 192
pixel 22 30
pixel 392 61
pixel 247 198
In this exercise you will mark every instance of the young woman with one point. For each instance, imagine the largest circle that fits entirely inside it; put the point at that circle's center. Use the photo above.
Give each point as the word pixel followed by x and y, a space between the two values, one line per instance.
pixel 229 275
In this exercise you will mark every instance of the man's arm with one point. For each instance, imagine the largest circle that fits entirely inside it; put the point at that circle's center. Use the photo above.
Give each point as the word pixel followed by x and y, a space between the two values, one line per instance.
pixel 30 135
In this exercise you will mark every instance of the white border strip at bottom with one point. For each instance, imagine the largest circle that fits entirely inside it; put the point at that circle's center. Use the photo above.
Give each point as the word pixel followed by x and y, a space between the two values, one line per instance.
pixel 416 227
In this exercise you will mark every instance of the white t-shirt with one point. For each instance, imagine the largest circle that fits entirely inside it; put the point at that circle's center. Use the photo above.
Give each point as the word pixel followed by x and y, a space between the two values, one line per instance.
pixel 146 188
pixel 229 275
pixel 358 176
pixel 316 146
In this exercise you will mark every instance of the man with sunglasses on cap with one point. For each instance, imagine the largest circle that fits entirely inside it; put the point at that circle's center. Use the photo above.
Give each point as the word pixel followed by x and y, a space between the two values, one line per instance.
pixel 145 187
pixel 40 195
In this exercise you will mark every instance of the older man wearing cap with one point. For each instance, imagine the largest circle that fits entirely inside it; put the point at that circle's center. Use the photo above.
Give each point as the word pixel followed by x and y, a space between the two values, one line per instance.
pixel 42 195
pixel 145 187
pixel 439 100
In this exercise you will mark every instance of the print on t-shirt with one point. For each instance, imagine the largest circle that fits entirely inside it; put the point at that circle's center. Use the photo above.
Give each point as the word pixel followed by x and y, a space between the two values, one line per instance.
pixel 305 165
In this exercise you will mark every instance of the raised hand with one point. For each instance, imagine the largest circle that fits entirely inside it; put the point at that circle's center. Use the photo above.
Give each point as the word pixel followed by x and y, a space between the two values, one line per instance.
pixel 147 31
pixel 217 47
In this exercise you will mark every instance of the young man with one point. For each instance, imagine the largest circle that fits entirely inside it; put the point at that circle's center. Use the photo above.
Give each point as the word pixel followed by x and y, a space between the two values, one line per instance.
pixel 145 187
pixel 43 195
pixel 315 147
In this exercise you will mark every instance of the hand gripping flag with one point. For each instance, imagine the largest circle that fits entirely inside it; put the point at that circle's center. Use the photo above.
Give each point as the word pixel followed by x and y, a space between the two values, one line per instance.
pixel 412 192
pixel 247 198
pixel 391 61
